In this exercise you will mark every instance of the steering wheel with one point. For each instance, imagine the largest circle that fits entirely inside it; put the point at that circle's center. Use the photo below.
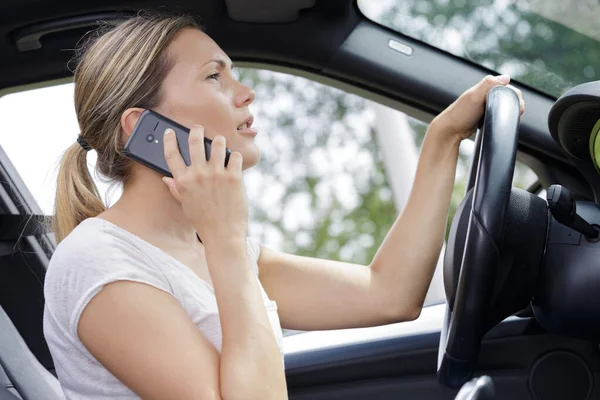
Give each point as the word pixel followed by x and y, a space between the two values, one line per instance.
pixel 466 319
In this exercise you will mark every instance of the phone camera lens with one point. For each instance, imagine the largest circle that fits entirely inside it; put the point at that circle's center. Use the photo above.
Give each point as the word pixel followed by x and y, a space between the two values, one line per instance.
pixel 150 138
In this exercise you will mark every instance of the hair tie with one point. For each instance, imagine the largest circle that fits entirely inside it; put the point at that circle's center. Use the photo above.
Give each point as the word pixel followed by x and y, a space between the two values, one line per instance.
pixel 83 143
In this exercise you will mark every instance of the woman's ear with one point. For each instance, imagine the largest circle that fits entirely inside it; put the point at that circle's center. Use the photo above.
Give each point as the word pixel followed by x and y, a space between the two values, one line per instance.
pixel 129 118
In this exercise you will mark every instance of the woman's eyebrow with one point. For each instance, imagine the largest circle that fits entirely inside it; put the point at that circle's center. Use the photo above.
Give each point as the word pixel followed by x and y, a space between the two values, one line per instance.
pixel 220 62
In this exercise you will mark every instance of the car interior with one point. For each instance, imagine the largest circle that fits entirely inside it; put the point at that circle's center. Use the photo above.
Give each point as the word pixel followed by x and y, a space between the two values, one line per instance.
pixel 522 318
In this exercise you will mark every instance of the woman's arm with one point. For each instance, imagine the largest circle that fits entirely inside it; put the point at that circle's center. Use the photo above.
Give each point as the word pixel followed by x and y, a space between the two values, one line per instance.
pixel 320 294
pixel 251 365
pixel 144 337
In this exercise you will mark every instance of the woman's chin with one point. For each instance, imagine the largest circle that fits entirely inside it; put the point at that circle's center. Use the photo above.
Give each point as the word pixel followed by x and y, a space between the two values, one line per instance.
pixel 251 157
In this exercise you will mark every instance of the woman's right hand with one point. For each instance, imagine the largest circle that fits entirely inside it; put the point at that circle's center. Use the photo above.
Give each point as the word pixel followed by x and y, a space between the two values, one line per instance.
pixel 212 196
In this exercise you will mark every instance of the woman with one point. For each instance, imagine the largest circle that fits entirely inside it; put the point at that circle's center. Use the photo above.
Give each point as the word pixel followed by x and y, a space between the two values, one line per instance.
pixel 132 294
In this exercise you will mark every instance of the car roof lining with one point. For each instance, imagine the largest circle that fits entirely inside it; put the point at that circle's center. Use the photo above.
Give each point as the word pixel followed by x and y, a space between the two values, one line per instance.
pixel 297 42
pixel 266 11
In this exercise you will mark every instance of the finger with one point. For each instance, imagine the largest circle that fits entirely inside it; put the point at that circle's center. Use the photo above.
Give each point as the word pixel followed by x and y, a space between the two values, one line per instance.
pixel 479 91
pixel 173 157
pixel 517 91
pixel 217 152
pixel 235 162
pixel 170 182
pixel 521 106
pixel 491 81
pixel 196 142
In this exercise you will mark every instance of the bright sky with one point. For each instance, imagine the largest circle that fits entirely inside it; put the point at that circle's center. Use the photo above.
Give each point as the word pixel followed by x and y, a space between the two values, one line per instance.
pixel 38 126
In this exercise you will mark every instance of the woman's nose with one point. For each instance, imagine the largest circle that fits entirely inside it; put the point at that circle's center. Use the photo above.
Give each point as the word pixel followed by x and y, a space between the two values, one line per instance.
pixel 245 96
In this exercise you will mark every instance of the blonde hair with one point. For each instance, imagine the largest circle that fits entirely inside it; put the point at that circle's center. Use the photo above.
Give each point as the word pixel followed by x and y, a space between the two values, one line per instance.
pixel 121 66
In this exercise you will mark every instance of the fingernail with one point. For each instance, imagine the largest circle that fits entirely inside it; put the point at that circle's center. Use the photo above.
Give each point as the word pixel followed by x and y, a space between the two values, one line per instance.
pixel 503 78
pixel 168 131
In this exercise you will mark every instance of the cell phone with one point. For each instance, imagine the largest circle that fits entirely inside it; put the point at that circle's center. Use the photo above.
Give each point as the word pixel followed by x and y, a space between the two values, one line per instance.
pixel 145 144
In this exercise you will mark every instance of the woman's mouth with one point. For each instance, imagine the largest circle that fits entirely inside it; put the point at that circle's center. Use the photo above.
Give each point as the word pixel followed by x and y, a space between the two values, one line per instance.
pixel 246 127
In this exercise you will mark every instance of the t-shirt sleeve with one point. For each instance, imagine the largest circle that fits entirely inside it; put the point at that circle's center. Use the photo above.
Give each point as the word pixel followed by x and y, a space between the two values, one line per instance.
pixel 82 273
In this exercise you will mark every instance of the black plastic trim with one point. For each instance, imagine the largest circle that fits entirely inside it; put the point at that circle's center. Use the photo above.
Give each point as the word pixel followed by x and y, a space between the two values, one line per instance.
pixel 15 198
pixel 317 359
pixel 28 38
pixel 429 79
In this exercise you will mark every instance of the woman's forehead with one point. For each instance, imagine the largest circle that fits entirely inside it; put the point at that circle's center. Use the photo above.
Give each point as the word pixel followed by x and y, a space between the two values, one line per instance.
pixel 194 46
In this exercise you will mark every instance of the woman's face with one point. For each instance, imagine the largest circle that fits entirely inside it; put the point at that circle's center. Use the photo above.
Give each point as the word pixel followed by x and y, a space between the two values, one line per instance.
pixel 201 90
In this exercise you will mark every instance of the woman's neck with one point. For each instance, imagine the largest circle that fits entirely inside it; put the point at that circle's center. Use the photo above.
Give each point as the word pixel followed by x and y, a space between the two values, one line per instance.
pixel 146 205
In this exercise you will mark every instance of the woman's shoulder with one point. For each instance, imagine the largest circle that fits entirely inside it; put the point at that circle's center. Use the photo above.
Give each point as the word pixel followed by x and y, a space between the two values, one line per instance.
pixel 94 253
pixel 93 241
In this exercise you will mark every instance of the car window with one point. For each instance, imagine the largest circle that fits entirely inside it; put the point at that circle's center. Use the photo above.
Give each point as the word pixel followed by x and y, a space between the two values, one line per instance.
pixel 335 168
pixel 549 45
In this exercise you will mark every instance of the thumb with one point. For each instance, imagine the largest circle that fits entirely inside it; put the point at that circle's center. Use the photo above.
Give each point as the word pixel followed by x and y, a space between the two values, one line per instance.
pixel 490 81
pixel 503 79
pixel 481 89
pixel 170 182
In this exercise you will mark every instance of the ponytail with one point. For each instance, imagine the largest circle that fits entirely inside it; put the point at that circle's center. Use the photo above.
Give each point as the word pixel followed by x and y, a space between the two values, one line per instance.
pixel 77 196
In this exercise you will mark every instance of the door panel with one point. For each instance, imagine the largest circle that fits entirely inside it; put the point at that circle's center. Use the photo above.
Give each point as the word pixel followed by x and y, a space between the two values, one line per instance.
pixel 404 368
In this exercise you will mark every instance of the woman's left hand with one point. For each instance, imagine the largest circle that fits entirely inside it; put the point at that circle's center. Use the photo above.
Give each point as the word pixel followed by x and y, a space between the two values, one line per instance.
pixel 461 118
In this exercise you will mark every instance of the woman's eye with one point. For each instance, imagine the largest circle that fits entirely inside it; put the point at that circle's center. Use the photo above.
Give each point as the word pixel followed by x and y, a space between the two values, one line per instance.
pixel 215 76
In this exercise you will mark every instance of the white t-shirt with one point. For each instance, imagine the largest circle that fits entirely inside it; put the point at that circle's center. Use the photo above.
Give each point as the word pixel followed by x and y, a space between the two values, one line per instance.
pixel 96 253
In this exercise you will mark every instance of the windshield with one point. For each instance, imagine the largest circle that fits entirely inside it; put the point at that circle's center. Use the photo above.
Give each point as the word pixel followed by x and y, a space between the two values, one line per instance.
pixel 550 45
